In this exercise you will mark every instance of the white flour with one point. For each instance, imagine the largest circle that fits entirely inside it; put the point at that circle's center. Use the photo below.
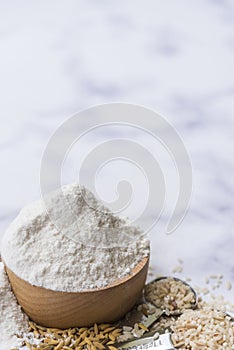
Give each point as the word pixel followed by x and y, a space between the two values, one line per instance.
pixel 78 246
pixel 12 320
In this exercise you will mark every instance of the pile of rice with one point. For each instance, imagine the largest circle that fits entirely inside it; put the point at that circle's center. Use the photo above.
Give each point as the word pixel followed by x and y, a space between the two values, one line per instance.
pixel 203 329
pixel 206 327
pixel 170 294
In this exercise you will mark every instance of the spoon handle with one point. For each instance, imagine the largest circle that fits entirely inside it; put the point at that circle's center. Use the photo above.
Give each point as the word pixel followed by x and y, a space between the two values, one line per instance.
pixel 162 342
pixel 153 318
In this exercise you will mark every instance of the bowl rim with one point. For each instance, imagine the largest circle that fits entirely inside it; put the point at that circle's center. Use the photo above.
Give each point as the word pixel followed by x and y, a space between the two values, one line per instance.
pixel 120 281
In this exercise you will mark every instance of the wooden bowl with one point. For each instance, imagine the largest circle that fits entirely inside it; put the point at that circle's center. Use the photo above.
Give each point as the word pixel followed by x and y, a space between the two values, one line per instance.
pixel 67 309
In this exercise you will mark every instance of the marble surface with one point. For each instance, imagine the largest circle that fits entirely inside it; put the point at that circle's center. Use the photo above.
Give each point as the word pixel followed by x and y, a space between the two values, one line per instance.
pixel 58 57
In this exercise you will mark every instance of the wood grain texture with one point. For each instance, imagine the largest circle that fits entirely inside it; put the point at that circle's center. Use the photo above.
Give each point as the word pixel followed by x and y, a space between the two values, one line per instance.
pixel 64 309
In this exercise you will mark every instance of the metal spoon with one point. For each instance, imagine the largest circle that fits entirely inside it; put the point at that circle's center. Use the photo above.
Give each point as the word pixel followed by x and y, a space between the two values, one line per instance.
pixel 150 340
pixel 162 311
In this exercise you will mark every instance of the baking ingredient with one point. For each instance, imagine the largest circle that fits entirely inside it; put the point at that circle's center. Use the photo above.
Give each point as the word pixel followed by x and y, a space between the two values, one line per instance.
pixel 164 323
pixel 203 329
pixel 70 242
pixel 100 337
pixel 13 322
pixel 206 327
pixel 170 294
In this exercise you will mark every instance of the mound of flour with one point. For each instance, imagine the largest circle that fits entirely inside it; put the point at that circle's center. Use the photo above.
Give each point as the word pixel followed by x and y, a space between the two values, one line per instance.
pixel 70 242
pixel 13 321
